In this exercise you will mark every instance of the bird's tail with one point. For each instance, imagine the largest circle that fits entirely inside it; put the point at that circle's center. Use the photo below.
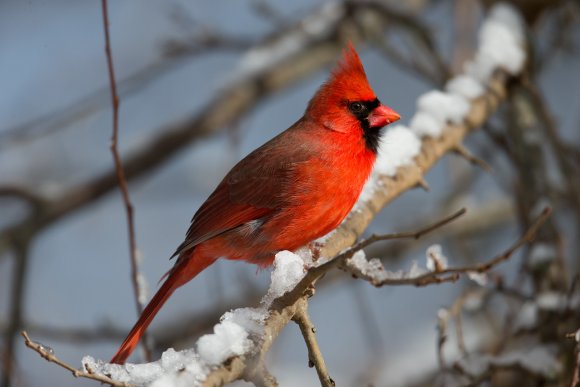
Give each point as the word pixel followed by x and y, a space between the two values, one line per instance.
pixel 181 273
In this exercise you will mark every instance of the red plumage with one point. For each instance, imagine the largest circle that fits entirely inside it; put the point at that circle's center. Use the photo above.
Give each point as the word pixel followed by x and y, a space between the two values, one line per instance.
pixel 295 188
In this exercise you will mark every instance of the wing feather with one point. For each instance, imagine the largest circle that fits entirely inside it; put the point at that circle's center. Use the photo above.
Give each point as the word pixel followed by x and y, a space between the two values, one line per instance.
pixel 254 189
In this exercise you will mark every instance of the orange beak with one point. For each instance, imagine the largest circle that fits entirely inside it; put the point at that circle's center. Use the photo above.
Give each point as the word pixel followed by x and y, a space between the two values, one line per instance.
pixel 382 115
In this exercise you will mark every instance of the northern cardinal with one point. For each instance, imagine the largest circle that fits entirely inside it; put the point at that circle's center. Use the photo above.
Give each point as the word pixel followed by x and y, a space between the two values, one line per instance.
pixel 293 189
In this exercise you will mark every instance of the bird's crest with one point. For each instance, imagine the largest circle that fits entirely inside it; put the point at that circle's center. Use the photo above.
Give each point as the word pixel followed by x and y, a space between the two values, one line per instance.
pixel 347 82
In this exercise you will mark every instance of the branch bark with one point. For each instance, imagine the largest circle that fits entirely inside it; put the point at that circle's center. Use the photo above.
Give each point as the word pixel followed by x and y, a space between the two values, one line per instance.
pixel 315 358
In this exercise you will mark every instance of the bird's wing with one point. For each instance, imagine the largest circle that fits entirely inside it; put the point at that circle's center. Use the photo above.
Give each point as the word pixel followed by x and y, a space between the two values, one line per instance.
pixel 255 188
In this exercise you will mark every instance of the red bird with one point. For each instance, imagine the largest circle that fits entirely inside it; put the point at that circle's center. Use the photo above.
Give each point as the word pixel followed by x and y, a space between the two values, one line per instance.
pixel 293 189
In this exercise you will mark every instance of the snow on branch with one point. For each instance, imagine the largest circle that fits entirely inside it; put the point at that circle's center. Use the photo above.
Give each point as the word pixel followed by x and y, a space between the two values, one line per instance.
pixel 501 48
pixel 240 341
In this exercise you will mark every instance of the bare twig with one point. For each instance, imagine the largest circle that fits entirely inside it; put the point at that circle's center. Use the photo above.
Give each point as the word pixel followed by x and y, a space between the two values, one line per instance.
pixel 467 155
pixel 411 234
pixel 122 180
pixel 315 358
pixel 449 274
pixel 481 219
pixel 528 237
pixel 48 355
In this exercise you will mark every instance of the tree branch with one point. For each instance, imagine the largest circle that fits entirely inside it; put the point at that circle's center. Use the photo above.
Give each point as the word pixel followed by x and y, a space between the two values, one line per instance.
pixel 47 354
pixel 315 358
pixel 443 275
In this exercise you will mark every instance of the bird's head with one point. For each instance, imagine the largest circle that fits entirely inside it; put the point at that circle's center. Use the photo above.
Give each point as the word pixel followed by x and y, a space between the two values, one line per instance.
pixel 346 102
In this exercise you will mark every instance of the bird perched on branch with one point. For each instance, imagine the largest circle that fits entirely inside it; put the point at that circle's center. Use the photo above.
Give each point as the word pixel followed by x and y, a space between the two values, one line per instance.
pixel 293 189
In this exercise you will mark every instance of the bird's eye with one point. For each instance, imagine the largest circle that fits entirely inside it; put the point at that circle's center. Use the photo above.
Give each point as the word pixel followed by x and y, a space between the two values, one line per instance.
pixel 356 107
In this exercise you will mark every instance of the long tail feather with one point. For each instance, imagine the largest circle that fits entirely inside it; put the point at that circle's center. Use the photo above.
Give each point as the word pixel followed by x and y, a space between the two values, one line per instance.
pixel 181 273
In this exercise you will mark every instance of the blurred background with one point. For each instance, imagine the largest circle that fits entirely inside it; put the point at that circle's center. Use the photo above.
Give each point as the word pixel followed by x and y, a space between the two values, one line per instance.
pixel 201 85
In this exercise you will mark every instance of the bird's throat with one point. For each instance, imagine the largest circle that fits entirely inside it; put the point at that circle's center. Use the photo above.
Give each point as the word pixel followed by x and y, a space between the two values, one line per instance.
pixel 372 136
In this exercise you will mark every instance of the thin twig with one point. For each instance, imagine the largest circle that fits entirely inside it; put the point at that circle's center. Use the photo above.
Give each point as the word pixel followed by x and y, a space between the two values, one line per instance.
pixel 462 151
pixel 315 358
pixel 445 275
pixel 411 234
pixel 121 174
pixel 47 354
